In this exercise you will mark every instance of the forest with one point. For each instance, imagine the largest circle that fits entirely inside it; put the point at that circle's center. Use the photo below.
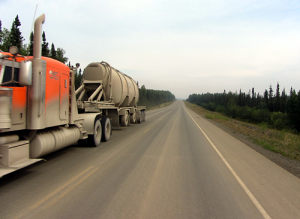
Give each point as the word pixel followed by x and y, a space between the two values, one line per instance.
pixel 150 98
pixel 276 109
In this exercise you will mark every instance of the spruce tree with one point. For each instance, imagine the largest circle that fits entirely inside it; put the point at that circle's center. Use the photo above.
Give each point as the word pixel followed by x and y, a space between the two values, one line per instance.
pixel 0 34
pixel 271 99
pixel 16 38
pixel 53 52
pixel 45 49
pixel 266 97
pixel 5 40
pixel 283 101
pixel 277 107
pixel 293 110
pixel 60 55
pixel 31 44
pixel 253 98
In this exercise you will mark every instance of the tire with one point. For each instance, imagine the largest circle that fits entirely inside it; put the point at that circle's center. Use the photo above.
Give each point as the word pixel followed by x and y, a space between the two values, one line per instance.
pixel 133 118
pixel 144 116
pixel 139 118
pixel 106 129
pixel 125 119
pixel 95 139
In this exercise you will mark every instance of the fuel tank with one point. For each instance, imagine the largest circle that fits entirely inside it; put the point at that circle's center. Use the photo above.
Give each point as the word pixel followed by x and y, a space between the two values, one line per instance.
pixel 121 88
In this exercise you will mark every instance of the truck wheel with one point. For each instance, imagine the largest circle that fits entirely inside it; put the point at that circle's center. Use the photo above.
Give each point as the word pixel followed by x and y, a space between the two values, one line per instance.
pixel 95 139
pixel 106 129
pixel 139 118
pixel 125 119
pixel 133 118
pixel 144 116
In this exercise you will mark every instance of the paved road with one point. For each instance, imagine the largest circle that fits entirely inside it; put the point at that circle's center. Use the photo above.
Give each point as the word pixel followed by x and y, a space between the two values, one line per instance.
pixel 175 165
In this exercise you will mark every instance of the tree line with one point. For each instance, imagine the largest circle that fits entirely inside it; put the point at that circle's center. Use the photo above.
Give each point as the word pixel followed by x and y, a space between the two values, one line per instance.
pixel 13 37
pixel 149 97
pixel 279 110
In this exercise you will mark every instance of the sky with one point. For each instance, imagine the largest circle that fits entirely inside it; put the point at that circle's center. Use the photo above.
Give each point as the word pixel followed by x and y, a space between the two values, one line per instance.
pixel 186 47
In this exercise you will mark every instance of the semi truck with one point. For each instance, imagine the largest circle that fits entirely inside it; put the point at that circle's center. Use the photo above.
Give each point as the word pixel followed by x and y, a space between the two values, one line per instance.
pixel 41 112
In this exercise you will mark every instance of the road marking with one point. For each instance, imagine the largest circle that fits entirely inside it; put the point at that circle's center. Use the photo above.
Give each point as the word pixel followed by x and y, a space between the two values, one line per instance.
pixel 70 188
pixel 248 192
pixel 147 130
pixel 38 204
pixel 59 189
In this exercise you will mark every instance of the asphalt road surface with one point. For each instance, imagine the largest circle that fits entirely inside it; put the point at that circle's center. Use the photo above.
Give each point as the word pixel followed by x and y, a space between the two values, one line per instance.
pixel 175 165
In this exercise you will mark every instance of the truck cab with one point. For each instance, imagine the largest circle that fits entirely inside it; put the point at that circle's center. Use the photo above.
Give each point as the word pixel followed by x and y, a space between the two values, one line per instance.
pixel 12 95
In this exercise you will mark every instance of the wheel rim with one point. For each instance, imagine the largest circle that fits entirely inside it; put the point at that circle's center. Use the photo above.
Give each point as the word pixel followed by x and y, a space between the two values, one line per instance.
pixel 126 118
pixel 98 132
pixel 107 129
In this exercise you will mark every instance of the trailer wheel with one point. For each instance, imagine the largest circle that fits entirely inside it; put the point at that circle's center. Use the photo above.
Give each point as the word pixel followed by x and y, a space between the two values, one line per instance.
pixel 106 129
pixel 139 118
pixel 125 119
pixel 133 118
pixel 95 138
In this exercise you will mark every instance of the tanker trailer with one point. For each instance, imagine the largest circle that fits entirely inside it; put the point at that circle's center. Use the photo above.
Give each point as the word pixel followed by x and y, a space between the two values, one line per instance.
pixel 103 88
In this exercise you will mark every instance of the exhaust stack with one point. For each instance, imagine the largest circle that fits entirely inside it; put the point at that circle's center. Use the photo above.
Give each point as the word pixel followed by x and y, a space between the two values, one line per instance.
pixel 37 40
pixel 36 92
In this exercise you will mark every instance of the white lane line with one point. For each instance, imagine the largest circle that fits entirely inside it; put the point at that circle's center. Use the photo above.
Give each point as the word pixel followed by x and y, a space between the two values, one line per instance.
pixel 250 195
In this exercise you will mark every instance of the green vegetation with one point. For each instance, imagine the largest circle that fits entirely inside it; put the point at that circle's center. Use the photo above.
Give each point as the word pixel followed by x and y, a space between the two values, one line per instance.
pixel 278 111
pixel 151 98
pixel 13 37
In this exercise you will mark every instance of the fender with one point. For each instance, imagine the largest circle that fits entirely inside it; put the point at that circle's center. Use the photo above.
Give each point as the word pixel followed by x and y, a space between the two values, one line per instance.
pixel 88 123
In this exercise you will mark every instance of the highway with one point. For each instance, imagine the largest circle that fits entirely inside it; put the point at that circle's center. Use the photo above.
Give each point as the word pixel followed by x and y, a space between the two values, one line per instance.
pixel 175 165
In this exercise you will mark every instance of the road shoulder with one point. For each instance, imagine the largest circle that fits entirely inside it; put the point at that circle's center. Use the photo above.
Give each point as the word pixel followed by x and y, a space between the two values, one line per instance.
pixel 292 166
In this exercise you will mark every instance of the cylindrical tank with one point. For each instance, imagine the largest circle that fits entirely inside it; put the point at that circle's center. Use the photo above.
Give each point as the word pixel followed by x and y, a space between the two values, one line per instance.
pixel 48 141
pixel 124 90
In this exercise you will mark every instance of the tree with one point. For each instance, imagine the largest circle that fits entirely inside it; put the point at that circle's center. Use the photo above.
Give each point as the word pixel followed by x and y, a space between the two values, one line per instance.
pixel 0 32
pixel 31 45
pixel 283 101
pixel 253 98
pixel 5 40
pixel 277 107
pixel 52 52
pixel 143 93
pixel 45 49
pixel 271 99
pixel 78 78
pixel 16 38
pixel 293 110
pixel 60 55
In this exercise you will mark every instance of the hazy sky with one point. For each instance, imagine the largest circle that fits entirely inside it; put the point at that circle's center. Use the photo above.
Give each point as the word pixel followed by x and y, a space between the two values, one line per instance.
pixel 182 46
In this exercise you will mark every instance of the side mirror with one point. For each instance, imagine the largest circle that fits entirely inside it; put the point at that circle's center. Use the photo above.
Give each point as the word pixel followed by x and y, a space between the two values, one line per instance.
pixel 25 76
